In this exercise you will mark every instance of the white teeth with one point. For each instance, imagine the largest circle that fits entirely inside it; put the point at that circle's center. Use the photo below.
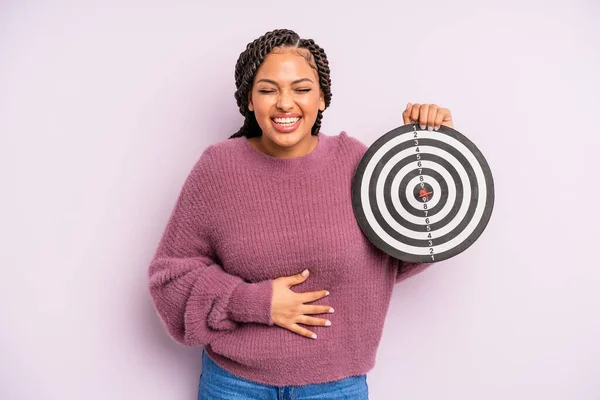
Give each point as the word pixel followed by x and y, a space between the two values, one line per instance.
pixel 286 121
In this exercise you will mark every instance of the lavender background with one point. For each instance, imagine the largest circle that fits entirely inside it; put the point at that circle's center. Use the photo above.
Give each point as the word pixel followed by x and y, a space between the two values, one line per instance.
pixel 105 107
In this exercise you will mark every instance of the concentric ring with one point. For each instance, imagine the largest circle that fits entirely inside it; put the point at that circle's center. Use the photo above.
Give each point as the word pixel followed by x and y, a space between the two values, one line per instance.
pixel 401 162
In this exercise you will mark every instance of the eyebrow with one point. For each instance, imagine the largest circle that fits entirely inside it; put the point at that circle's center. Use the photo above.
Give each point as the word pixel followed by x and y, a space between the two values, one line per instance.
pixel 293 83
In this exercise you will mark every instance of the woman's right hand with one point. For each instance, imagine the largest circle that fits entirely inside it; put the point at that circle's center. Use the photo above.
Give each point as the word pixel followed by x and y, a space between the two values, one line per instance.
pixel 288 308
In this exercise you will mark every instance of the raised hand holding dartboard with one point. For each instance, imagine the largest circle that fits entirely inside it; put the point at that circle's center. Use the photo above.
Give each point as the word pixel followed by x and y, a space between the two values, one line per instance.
pixel 423 192
pixel 428 116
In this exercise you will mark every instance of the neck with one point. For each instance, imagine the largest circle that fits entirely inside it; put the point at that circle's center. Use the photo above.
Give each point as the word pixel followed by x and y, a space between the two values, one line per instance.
pixel 272 149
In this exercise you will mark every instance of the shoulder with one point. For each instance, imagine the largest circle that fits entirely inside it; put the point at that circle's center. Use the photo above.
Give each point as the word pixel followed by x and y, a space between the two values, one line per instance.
pixel 217 155
pixel 348 147
pixel 226 146
pixel 219 151
pixel 351 143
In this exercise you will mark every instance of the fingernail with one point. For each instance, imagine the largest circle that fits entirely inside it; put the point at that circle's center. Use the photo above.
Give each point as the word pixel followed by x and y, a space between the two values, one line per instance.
pixel 314 336
pixel 326 293
pixel 436 128
pixel 331 310
pixel 305 272
pixel 327 323
pixel 430 128
pixel 407 106
pixel 422 127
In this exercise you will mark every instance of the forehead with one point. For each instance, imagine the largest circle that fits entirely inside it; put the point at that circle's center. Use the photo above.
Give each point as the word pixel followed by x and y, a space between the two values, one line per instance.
pixel 285 65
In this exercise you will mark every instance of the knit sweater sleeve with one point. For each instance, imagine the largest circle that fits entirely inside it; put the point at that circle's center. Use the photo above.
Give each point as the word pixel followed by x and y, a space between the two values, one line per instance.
pixel 406 270
pixel 194 297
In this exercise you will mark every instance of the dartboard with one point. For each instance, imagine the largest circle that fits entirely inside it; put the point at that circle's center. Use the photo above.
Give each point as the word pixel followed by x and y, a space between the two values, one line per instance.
pixel 423 196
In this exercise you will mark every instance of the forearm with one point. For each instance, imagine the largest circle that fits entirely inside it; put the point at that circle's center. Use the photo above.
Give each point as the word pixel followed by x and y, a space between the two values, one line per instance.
pixel 196 300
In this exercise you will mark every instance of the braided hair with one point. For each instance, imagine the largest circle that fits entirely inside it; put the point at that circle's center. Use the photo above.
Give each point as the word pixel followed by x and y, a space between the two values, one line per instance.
pixel 251 59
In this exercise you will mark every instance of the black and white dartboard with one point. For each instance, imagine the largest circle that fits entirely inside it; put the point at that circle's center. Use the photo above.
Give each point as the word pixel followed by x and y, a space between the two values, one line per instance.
pixel 423 196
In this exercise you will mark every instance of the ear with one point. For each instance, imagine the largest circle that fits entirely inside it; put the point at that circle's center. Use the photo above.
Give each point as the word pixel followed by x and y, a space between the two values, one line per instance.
pixel 322 102
pixel 250 105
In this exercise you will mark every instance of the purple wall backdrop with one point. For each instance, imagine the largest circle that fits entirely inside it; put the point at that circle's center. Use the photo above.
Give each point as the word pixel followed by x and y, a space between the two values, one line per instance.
pixel 105 108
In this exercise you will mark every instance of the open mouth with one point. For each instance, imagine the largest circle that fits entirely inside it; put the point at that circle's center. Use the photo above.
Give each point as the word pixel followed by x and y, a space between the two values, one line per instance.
pixel 286 124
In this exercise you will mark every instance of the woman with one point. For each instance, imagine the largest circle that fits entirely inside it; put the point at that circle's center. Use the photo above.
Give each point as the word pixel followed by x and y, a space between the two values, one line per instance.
pixel 262 245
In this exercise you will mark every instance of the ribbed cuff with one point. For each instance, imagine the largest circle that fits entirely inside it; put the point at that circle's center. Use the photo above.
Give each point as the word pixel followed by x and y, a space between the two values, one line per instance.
pixel 251 302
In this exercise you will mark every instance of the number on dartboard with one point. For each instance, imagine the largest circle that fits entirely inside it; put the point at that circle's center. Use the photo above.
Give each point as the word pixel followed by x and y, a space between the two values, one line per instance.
pixel 415 134
pixel 420 169
pixel 430 242
pixel 417 150
pixel 426 212
pixel 422 184
pixel 421 178
pixel 416 142
pixel 419 164
pixel 418 156
pixel 431 250
pixel 427 220
pixel 428 228
pixel 424 206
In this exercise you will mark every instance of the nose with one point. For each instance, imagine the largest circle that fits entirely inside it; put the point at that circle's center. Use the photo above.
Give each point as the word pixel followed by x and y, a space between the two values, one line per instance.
pixel 285 102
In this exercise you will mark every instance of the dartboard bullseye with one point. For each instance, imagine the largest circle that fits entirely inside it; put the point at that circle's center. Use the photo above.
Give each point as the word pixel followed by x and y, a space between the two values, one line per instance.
pixel 423 196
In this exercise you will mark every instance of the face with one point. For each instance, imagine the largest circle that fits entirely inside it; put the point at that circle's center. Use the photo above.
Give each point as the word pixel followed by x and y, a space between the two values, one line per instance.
pixel 285 99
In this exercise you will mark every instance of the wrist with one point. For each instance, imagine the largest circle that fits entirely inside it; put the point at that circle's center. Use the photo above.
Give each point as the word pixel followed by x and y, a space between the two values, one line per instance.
pixel 252 302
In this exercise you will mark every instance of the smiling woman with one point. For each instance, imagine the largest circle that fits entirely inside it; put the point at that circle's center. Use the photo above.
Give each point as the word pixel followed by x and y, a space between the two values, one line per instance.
pixel 266 210
pixel 286 99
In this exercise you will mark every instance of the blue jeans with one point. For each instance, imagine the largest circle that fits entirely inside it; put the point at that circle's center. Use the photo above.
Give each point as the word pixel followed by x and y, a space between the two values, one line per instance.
pixel 217 383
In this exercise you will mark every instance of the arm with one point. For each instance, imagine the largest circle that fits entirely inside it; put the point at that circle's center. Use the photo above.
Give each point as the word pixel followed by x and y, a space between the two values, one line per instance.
pixel 195 299
pixel 407 270
pixel 431 116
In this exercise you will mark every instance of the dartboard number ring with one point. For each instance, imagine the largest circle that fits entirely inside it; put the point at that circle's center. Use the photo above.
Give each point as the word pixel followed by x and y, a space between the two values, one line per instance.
pixel 422 196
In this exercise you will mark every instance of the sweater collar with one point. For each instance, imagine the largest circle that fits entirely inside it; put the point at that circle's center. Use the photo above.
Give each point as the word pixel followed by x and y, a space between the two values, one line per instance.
pixel 270 165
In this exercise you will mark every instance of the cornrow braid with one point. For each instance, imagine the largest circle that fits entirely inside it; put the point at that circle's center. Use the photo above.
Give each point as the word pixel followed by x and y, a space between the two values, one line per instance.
pixel 250 60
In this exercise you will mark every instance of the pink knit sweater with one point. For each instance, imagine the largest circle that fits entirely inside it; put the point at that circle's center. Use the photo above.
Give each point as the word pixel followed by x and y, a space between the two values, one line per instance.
pixel 244 218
